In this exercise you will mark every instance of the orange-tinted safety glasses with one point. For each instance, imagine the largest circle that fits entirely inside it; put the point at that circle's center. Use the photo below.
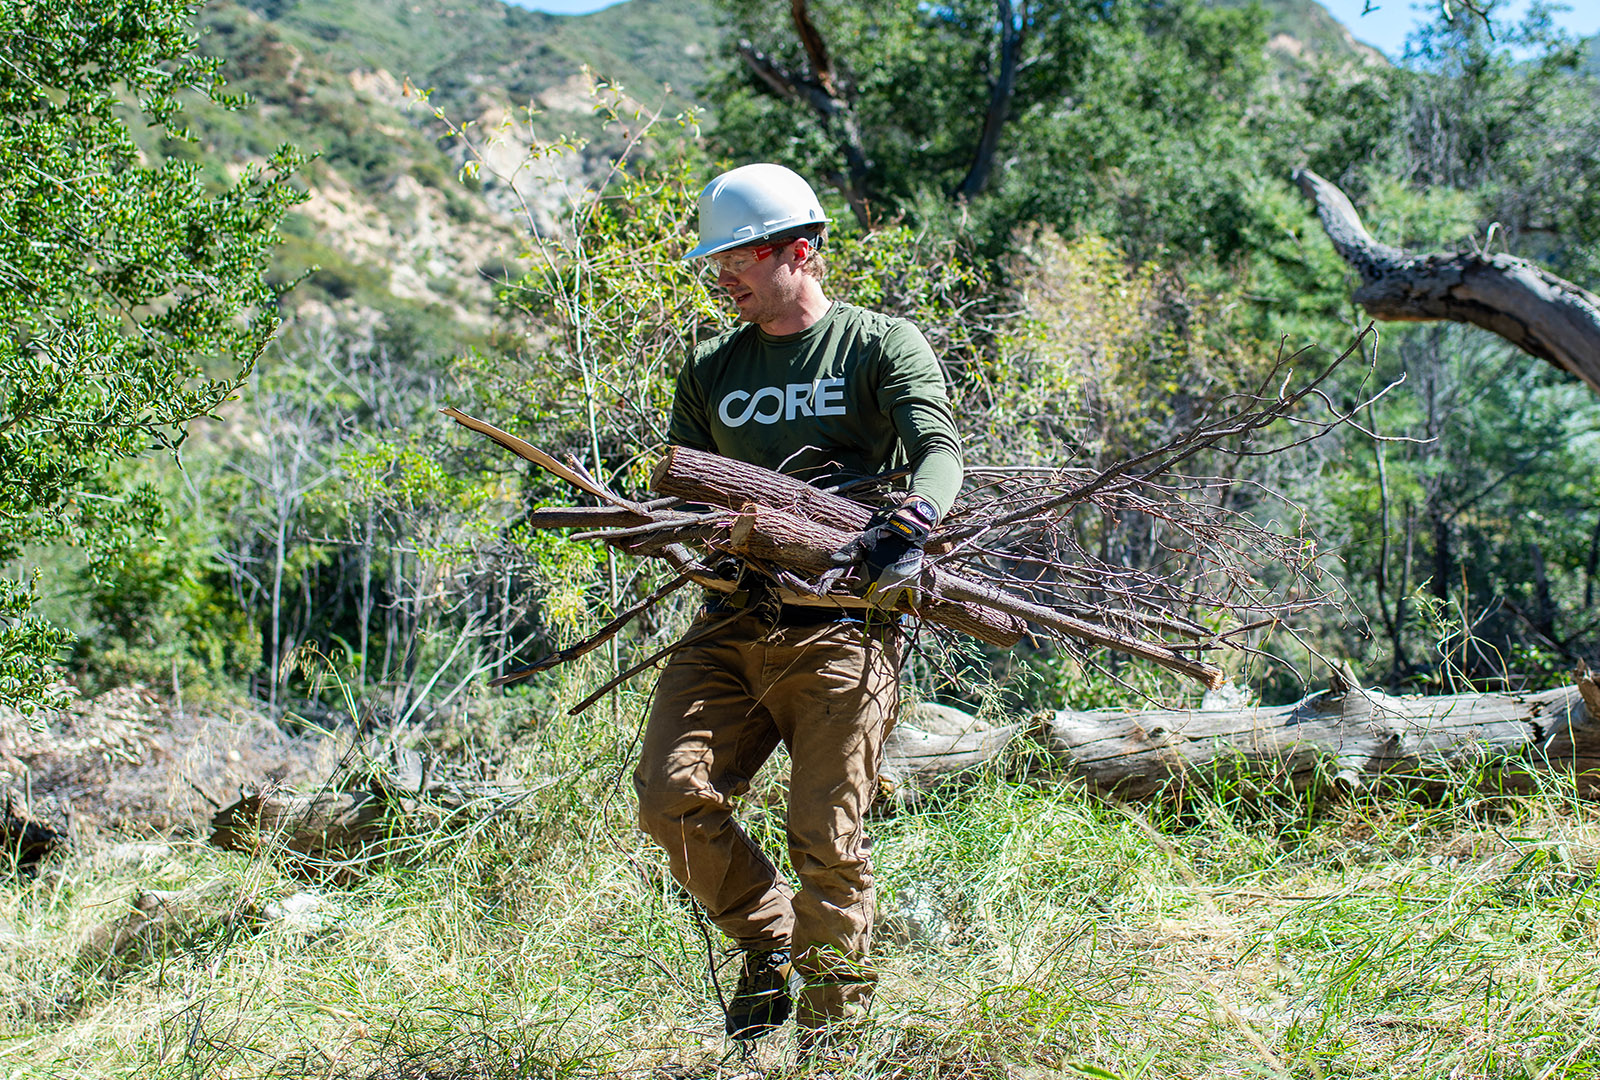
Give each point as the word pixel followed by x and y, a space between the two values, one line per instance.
pixel 739 260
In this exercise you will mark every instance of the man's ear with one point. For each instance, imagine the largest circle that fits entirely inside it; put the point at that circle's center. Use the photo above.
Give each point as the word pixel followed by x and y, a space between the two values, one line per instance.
pixel 802 250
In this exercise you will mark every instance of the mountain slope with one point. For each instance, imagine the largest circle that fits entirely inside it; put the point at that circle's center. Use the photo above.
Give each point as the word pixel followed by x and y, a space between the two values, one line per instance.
pixel 390 226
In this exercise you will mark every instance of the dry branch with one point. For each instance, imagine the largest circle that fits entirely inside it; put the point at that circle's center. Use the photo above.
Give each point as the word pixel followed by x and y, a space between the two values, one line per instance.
pixel 1540 313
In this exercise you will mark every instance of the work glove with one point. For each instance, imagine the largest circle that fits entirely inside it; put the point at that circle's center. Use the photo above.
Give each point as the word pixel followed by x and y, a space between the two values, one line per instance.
pixel 890 548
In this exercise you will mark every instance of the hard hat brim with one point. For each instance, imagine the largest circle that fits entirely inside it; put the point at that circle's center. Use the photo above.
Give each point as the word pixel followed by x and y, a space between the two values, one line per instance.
pixel 700 251
pixel 704 248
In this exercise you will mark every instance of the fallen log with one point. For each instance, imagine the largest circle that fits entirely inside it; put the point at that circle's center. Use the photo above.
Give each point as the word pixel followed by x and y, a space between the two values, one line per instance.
pixel 344 826
pixel 384 805
pixel 1356 737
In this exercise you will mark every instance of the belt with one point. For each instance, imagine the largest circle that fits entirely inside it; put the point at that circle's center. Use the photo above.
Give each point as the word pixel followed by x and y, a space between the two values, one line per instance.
pixel 785 614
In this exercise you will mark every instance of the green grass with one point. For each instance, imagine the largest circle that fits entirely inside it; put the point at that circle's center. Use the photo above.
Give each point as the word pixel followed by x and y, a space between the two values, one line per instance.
pixel 1027 931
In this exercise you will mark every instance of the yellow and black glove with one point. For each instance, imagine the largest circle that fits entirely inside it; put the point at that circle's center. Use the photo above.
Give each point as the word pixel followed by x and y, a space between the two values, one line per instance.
pixel 890 548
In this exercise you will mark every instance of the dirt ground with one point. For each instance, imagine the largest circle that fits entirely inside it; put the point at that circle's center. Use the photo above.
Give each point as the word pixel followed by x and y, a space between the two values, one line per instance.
pixel 128 761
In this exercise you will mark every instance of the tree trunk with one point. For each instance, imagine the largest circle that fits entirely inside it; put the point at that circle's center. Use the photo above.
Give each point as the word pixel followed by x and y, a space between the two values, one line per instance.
pixel 1541 314
pixel 1357 737
pixel 1001 89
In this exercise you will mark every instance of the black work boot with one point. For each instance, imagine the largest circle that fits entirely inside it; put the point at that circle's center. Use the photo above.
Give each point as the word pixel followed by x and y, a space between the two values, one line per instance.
pixel 760 1002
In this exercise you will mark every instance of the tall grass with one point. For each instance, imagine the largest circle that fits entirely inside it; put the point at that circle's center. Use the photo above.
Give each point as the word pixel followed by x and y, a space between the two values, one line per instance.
pixel 1026 930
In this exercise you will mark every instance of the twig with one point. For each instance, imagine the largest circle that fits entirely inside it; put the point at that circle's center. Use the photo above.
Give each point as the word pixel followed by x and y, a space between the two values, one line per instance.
pixel 683 642
pixel 604 634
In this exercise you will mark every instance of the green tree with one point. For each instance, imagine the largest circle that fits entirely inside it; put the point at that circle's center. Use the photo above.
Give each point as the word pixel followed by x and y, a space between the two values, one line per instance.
pixel 133 297
pixel 1142 119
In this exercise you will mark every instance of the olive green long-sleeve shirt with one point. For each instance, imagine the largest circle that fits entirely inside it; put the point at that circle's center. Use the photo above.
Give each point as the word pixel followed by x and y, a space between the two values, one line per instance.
pixel 853 394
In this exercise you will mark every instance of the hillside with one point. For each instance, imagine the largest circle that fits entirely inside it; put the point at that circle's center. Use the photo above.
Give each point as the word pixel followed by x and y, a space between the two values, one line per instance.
pixel 1302 29
pixel 390 226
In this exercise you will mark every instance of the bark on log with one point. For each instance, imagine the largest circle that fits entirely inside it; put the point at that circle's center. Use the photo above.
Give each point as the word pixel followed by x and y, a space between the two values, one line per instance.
pixel 703 477
pixel 1361 737
pixel 805 546
pixel 1536 311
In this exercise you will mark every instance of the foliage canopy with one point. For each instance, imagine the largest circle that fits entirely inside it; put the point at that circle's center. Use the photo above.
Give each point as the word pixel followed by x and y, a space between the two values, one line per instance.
pixel 134 298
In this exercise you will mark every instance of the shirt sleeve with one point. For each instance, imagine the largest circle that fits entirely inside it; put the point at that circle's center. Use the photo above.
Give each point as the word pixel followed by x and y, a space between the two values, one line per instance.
pixel 911 392
pixel 934 450
pixel 691 423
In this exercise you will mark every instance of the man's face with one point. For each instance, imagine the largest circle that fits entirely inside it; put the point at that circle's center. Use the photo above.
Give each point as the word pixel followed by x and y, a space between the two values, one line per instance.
pixel 762 280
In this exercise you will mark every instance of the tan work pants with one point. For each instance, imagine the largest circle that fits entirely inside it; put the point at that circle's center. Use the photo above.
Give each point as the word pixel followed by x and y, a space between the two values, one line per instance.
pixel 721 707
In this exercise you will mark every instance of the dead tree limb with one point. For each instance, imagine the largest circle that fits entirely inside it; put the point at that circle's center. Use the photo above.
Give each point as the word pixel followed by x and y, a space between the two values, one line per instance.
pixel 584 517
pixel 805 545
pixel 1357 737
pixel 1540 313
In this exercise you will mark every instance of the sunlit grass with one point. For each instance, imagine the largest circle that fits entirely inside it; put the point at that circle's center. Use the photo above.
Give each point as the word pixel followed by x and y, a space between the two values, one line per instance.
pixel 1026 930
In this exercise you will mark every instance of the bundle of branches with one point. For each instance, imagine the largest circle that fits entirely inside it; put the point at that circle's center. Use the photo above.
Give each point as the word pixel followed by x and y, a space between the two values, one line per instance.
pixel 1015 555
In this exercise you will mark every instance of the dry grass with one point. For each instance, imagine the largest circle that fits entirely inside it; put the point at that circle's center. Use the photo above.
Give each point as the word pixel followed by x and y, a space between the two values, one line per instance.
pixel 1026 932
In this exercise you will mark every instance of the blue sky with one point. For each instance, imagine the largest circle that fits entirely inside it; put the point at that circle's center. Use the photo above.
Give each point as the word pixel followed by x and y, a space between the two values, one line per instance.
pixel 1385 26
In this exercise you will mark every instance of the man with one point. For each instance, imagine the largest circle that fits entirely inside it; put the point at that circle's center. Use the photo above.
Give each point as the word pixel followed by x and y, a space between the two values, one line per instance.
pixel 823 391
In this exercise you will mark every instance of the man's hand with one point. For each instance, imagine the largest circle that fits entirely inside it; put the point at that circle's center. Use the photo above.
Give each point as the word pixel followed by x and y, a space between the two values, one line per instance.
pixel 891 549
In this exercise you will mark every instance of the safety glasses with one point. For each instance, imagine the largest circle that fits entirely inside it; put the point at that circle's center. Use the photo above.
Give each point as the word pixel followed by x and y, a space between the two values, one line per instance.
pixel 739 260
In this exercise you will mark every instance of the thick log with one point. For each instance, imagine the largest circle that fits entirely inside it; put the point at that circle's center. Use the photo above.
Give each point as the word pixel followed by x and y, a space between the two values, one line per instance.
pixel 702 477
pixel 805 546
pixel 1359 738
pixel 1540 313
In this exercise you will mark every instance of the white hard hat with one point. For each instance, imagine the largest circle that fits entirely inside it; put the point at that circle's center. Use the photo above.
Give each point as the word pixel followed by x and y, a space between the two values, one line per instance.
pixel 749 204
